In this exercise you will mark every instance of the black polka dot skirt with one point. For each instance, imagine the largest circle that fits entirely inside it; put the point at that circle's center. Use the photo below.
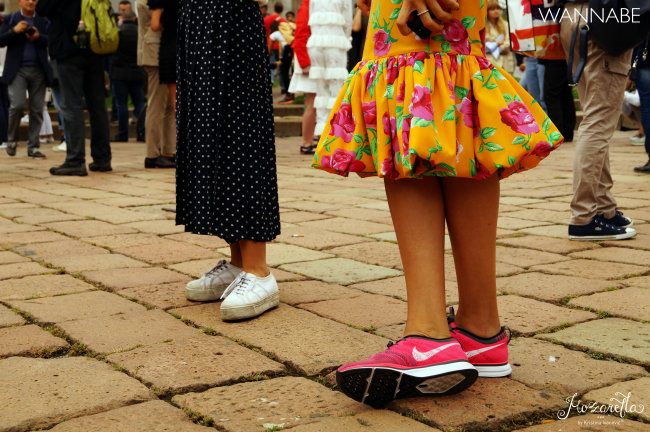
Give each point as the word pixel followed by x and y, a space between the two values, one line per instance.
pixel 226 181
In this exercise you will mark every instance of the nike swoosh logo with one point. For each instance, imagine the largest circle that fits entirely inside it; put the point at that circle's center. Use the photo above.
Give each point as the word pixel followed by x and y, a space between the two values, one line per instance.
pixel 422 356
pixel 481 350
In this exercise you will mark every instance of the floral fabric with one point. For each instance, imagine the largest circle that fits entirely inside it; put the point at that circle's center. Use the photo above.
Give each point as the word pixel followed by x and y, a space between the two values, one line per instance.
pixel 438 107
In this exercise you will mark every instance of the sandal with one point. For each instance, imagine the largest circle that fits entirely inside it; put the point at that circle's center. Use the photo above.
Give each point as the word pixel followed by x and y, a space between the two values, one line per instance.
pixel 310 149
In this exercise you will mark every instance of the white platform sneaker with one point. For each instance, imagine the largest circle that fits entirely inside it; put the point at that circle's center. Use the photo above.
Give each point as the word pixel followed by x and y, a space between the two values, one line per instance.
pixel 213 283
pixel 249 296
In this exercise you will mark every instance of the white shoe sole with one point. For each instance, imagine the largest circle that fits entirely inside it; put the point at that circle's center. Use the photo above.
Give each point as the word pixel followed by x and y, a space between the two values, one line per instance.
pixel 202 295
pixel 623 236
pixel 233 313
pixel 494 371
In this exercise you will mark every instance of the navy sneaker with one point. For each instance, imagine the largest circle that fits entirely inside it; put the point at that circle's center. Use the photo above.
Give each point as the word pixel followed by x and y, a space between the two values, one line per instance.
pixel 620 220
pixel 599 229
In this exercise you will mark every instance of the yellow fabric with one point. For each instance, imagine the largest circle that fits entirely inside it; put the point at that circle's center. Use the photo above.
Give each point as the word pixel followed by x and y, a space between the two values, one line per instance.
pixel 432 107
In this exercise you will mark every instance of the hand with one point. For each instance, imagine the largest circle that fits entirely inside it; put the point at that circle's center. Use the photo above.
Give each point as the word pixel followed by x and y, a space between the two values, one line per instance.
pixel 34 36
pixel 364 5
pixel 439 8
pixel 305 70
pixel 21 27
pixel 522 67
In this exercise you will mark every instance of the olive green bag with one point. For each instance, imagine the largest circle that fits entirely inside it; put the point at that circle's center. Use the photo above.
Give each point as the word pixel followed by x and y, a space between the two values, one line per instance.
pixel 101 24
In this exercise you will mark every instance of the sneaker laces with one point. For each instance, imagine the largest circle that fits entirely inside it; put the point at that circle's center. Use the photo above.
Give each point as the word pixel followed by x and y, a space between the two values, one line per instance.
pixel 216 269
pixel 601 222
pixel 240 285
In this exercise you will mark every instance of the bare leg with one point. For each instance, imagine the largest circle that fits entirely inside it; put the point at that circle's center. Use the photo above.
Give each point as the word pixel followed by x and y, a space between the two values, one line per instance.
pixel 253 256
pixel 472 209
pixel 417 209
pixel 235 254
pixel 308 120
pixel 172 94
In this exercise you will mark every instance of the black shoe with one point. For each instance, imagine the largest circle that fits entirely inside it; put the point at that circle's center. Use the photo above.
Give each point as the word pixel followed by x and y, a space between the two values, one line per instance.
pixel 141 138
pixel 35 154
pixel 165 162
pixel 620 220
pixel 598 229
pixel 11 148
pixel 642 169
pixel 69 170
pixel 120 139
pixel 150 162
pixel 102 167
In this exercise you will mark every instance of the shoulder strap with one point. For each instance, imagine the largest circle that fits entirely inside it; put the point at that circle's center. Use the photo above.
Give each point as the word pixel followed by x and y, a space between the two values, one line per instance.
pixel 575 77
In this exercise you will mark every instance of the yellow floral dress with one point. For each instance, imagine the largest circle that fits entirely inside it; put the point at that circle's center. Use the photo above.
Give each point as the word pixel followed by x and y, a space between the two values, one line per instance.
pixel 433 107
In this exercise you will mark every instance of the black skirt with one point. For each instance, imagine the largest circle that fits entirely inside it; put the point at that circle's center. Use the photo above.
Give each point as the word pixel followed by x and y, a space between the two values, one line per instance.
pixel 226 182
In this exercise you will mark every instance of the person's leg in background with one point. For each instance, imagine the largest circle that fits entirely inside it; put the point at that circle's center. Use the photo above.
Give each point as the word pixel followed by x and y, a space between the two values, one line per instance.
pixel 121 100
pixel 36 89
pixel 93 89
pixel 4 114
pixel 17 100
pixel 642 83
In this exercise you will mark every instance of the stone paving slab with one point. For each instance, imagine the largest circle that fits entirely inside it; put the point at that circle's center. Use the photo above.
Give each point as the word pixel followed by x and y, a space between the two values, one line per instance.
pixel 549 367
pixel 375 421
pixel 556 231
pixel 640 241
pixel 117 241
pixel 28 340
pixel 545 215
pixel 9 317
pixel 630 302
pixel 592 269
pixel 76 306
pixel 628 395
pixel 7 257
pixel 160 227
pixel 131 277
pixel 527 316
pixel 516 224
pixel 102 212
pixel 45 251
pixel 38 393
pixel 302 216
pixel 293 335
pixel 317 239
pixel 11 240
pixel 126 331
pixel 195 364
pixel 523 257
pixel 298 292
pixel 169 252
pixel 262 405
pixel 88 228
pixel 551 287
pixel 377 253
pixel 613 336
pixel 364 214
pixel 143 417
pixel 365 311
pixel 617 254
pixel 591 423
pixel 16 270
pixel 278 254
pixel 492 400
pixel 312 206
pixel 341 271
pixel 396 287
pixel 206 241
pixel 10 227
pixel 81 263
pixel 348 226
pixel 41 286
pixel 640 281
pixel 197 268
pixel 163 296
pixel 285 276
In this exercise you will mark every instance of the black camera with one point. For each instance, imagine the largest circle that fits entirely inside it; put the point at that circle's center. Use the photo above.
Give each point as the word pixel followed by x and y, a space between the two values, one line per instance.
pixel 30 30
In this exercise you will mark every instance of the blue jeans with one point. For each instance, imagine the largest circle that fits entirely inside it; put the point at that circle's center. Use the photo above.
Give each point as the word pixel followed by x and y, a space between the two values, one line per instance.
pixel 82 78
pixel 642 83
pixel 534 80
pixel 121 92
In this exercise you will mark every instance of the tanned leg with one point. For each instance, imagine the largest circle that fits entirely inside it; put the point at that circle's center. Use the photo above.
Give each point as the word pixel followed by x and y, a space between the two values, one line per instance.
pixel 253 256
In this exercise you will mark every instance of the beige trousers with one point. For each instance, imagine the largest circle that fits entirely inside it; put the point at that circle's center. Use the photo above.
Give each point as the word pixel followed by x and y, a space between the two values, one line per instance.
pixel 160 125
pixel 601 95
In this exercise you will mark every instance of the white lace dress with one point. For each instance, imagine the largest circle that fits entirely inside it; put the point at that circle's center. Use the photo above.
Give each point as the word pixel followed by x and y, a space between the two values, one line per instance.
pixel 331 26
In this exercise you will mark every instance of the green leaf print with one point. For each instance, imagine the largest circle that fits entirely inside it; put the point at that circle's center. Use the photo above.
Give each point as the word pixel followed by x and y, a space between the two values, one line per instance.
pixel 491 86
pixel 420 122
pixel 508 97
pixel 517 98
pixel 490 146
pixel 472 168
pixel 519 140
pixel 389 91
pixel 468 22
pixel 512 160
pixel 547 124
pixel 438 38
pixel 447 167
pixel 373 144
pixel 498 75
pixel 446 46
pixel 316 157
pixel 482 3
pixel 487 132
pixel 499 166
pixel 480 148
pixel 395 2
pixel 478 76
pixel 461 92
pixel 394 14
pixel 555 137
pixel 419 66
pixel 450 114
pixel 366 149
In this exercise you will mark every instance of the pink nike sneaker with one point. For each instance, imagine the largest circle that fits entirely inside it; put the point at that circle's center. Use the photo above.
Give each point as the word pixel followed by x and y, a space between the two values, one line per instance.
pixel 488 355
pixel 413 366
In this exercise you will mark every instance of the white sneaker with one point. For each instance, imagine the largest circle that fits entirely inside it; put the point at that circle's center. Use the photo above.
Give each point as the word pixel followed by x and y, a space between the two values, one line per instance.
pixel 637 140
pixel 249 296
pixel 213 283
pixel 61 147
pixel 3 145
pixel 25 119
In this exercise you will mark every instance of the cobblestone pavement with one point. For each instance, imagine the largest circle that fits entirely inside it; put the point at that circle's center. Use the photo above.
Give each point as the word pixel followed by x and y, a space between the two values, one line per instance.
pixel 96 335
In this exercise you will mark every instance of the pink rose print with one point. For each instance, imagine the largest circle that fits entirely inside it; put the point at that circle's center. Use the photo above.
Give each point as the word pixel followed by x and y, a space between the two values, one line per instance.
pixel 482 36
pixel 370 76
pixel 519 118
pixel 459 150
pixel 370 114
pixel 462 47
pixel 542 149
pixel 438 61
pixel 390 129
pixel 484 63
pixel 382 46
pixel 469 107
pixel 453 63
pixel 481 171
pixel 401 62
pixel 421 103
pixel 342 123
pixel 392 70
pixel 454 31
pixel 342 161
pixel 402 90
pixel 418 56
pixel 388 169
pixel 406 133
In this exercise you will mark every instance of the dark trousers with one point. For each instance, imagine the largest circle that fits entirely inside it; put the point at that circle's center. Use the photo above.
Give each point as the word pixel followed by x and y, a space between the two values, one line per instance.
pixel 82 78
pixel 121 92
pixel 285 67
pixel 4 112
pixel 558 97
pixel 642 83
